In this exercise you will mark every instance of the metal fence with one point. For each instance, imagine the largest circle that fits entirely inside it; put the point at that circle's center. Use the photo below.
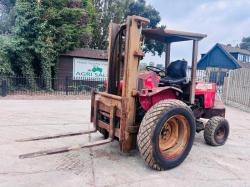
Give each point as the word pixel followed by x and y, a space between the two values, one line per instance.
pixel 205 76
pixel 201 75
pixel 12 85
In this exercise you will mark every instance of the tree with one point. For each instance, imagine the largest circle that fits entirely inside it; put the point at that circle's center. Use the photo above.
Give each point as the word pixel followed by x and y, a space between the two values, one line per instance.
pixel 6 16
pixel 42 31
pixel 7 4
pixel 61 28
pixel 140 8
pixel 25 34
pixel 107 11
pixel 117 11
pixel 245 43
pixel 5 64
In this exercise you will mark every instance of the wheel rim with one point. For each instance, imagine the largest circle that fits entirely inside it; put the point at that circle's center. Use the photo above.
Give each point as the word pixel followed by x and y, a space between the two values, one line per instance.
pixel 174 136
pixel 220 133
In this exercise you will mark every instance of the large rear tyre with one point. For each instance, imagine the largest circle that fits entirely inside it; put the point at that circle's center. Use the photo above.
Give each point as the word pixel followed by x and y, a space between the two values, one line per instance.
pixel 166 134
pixel 216 131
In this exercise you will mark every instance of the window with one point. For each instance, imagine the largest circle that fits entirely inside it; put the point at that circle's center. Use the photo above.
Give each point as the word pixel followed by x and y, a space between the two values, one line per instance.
pixel 244 58
pixel 240 57
pixel 247 58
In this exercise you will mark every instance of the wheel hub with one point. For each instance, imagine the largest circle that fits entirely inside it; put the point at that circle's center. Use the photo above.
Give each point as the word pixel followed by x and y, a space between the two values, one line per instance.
pixel 220 133
pixel 174 136
pixel 166 132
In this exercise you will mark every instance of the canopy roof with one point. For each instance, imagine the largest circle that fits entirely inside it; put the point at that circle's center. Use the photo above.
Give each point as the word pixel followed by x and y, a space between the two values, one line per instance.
pixel 169 36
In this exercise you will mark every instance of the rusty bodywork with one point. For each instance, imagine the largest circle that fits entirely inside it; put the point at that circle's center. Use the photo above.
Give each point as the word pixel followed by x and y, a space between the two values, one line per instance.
pixel 125 52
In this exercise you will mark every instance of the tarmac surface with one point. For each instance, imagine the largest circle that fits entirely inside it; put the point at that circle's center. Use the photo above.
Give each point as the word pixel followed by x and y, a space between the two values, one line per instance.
pixel 228 165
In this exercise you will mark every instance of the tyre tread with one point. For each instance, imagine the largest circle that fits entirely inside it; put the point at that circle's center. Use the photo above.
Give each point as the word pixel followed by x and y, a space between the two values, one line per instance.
pixel 147 128
pixel 210 130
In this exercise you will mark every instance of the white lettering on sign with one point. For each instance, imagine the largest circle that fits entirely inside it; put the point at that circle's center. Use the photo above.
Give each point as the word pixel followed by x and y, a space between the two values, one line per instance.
pixel 204 86
pixel 89 68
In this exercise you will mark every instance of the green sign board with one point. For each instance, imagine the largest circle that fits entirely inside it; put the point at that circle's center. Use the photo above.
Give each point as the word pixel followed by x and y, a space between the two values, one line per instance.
pixel 89 68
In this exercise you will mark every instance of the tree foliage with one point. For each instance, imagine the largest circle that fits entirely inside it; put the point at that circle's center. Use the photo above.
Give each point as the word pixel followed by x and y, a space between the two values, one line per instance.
pixel 245 43
pixel 5 64
pixel 6 16
pixel 117 11
pixel 42 30
pixel 140 8
pixel 107 11
pixel 34 32
pixel 7 4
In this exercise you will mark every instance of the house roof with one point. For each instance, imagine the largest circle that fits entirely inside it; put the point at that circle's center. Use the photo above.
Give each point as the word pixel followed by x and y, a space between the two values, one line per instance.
pixel 221 46
pixel 231 49
pixel 228 50
pixel 168 36
pixel 88 53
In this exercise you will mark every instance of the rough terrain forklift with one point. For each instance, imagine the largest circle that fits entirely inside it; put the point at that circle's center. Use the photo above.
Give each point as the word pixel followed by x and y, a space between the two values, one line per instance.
pixel 159 110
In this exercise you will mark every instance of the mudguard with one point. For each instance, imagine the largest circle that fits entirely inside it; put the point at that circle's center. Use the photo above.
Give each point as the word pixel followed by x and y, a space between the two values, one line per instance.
pixel 149 97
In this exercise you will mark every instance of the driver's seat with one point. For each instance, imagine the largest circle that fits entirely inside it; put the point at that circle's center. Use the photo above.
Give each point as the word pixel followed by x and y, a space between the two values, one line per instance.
pixel 176 73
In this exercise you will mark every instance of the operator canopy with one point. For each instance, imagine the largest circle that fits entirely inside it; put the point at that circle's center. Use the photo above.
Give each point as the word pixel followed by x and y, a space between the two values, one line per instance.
pixel 169 36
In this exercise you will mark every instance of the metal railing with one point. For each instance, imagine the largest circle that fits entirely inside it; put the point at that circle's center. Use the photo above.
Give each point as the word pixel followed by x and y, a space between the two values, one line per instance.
pixel 25 85
pixel 13 85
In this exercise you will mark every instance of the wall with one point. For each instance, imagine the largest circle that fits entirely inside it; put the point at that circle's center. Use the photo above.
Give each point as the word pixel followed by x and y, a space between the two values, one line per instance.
pixel 65 67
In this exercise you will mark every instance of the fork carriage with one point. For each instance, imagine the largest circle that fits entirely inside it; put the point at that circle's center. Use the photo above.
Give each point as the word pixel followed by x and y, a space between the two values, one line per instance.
pixel 113 113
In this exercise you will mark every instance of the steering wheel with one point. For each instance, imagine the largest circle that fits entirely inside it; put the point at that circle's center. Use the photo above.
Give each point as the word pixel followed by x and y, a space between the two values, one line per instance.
pixel 158 71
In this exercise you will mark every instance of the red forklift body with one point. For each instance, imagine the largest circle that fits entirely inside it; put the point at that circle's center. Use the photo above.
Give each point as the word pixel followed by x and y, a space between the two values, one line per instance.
pixel 207 90
pixel 149 98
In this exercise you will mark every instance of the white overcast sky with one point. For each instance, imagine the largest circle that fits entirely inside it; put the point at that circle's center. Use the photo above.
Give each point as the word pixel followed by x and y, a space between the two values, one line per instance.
pixel 224 21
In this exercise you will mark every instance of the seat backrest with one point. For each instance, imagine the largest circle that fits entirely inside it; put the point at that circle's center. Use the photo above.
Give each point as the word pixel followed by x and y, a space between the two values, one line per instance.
pixel 177 69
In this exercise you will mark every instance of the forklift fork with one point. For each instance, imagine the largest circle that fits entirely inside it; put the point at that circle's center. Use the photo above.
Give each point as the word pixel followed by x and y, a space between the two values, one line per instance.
pixel 56 136
pixel 78 146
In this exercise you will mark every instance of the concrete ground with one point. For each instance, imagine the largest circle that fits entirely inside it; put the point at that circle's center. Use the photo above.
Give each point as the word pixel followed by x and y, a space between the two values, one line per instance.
pixel 228 165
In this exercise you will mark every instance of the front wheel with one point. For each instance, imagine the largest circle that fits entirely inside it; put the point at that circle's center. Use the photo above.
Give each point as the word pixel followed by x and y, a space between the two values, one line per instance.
pixel 166 134
pixel 216 131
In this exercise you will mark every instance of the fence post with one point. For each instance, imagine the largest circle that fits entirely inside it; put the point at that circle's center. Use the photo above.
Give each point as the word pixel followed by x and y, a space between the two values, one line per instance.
pixel 67 85
pixel 228 85
pixel 4 88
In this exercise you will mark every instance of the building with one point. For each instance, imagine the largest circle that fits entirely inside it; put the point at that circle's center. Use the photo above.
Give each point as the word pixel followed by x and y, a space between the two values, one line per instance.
pixel 82 63
pixel 222 58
